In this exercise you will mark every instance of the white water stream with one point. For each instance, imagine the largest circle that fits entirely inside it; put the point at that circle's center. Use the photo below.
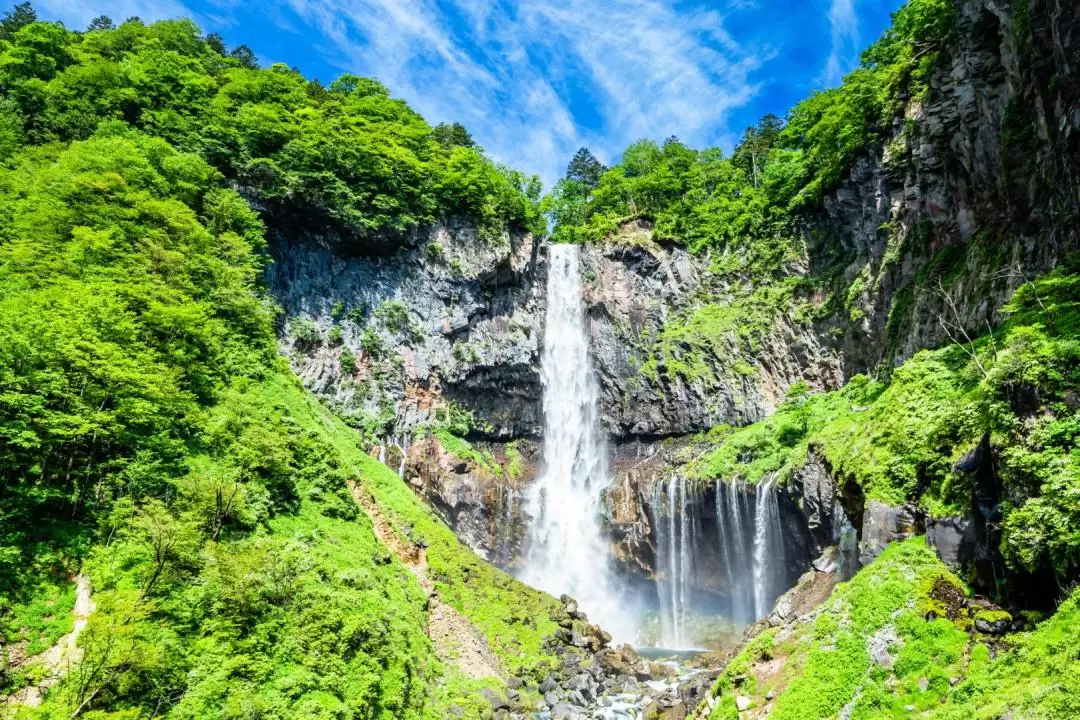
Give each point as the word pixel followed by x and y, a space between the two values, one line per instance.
pixel 565 552
pixel 565 549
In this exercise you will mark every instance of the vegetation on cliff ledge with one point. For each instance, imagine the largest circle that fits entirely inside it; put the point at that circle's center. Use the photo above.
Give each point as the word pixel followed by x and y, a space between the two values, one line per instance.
pixel 904 440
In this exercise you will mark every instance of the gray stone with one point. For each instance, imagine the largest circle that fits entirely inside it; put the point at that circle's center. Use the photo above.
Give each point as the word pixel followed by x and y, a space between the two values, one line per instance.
pixel 562 711
pixel 583 684
pixel 494 698
pixel 953 539
pixel 883 524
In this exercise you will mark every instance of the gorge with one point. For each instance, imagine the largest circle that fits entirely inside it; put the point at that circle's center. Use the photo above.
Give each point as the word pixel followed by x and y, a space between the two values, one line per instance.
pixel 309 409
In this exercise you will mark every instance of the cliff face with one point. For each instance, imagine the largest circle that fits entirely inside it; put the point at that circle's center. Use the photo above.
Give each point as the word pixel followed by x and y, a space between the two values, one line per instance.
pixel 448 322
pixel 637 287
pixel 976 193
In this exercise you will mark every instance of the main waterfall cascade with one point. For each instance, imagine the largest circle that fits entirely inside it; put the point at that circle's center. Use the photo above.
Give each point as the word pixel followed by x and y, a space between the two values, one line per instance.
pixel 565 551
pixel 565 547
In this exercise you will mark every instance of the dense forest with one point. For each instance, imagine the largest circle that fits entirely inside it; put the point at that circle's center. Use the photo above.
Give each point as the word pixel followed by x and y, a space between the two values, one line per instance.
pixel 150 433
pixel 243 545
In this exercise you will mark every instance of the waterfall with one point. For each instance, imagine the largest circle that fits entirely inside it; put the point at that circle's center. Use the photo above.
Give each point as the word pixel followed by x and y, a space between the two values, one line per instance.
pixel 509 505
pixel 404 447
pixel 676 538
pixel 736 547
pixel 565 550
pixel 769 564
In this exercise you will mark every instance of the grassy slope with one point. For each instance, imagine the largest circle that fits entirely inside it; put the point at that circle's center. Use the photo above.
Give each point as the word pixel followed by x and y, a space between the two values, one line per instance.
pixel 938 667
pixel 512 616
pixel 326 588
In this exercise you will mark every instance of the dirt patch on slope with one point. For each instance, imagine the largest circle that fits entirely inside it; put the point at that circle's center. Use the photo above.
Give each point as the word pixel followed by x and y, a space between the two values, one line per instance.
pixel 58 660
pixel 457 641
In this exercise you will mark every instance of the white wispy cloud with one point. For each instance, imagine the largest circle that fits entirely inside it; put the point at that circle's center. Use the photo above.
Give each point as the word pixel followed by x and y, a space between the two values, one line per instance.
pixel 844 23
pixel 511 72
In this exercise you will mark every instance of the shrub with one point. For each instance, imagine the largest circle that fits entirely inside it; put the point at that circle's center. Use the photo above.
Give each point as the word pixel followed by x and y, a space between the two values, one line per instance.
pixel 347 360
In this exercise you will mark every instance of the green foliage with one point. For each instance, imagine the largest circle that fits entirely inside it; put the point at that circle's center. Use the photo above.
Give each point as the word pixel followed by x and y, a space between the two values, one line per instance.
pixel 585 169
pixel 1038 674
pixel 347 360
pixel 922 663
pixel 828 665
pixel 337 310
pixel 305 333
pixel 371 343
pixel 744 205
pixel 513 617
pixel 462 449
pixel 348 156
pixel 900 440
pixel 452 135
pixel 515 468
pixel 395 316
pixel 149 433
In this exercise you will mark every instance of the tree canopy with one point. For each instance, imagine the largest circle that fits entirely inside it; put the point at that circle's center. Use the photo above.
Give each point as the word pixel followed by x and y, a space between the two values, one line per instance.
pixel 349 156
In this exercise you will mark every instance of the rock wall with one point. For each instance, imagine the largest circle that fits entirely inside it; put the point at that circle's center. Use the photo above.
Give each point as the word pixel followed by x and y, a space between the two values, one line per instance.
pixel 634 288
pixel 449 320
pixel 481 498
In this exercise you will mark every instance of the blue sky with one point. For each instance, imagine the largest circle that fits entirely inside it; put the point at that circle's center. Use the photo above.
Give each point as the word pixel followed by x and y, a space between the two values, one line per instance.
pixel 534 80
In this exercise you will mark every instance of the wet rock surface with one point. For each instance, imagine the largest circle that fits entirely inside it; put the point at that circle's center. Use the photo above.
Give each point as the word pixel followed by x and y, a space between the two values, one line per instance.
pixel 482 497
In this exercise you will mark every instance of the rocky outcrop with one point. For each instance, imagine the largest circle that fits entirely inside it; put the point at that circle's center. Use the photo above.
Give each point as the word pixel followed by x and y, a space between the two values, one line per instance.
pixel 481 496
pixel 634 288
pixel 975 194
pixel 452 319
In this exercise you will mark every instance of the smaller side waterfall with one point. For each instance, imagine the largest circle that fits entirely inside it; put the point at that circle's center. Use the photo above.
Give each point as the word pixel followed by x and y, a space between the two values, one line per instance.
pixel 769 562
pixel 676 539
pixel 733 513
pixel 403 446
pixel 505 529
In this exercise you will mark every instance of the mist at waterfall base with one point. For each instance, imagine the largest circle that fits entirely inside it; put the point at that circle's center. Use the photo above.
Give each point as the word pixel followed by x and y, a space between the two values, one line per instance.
pixel 566 549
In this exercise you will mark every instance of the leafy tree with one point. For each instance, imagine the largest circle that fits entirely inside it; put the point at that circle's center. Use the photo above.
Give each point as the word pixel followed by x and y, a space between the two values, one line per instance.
pixel 16 19
pixel 585 169
pixel 753 151
pixel 101 22
pixel 452 135
pixel 245 56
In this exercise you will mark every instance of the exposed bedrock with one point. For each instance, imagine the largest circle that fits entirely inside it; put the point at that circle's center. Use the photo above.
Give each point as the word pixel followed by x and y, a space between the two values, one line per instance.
pixel 452 319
